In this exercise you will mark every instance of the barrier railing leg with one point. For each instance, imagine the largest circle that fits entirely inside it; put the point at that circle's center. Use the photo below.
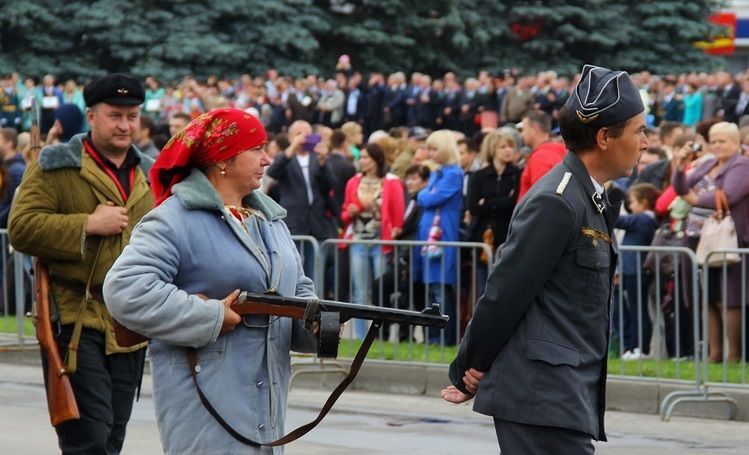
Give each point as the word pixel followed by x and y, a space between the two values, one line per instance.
pixel 20 294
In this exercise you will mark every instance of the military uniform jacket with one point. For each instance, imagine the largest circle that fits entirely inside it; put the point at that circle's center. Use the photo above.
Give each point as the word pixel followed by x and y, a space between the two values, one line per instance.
pixel 48 219
pixel 540 331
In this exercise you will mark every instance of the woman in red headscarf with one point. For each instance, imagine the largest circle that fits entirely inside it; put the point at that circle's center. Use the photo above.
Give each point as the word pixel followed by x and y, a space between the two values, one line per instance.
pixel 211 234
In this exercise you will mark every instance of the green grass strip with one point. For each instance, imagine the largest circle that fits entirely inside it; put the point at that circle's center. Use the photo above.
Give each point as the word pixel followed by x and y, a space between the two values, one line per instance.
pixel 732 373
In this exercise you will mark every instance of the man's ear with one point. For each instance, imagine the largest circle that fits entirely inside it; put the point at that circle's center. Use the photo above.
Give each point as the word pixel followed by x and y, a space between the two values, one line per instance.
pixel 602 138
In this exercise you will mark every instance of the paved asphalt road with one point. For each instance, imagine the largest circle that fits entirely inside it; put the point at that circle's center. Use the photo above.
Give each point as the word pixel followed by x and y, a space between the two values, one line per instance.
pixel 369 423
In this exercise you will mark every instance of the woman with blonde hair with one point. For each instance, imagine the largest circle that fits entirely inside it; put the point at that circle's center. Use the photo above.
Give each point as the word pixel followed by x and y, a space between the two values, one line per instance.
pixel 727 171
pixel 354 139
pixel 390 148
pixel 493 190
pixel 442 201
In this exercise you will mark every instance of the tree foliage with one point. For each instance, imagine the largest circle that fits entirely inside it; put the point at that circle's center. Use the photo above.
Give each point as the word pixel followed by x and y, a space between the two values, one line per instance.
pixel 172 38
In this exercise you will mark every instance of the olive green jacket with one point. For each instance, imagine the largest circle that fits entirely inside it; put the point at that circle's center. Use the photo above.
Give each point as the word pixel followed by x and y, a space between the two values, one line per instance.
pixel 48 217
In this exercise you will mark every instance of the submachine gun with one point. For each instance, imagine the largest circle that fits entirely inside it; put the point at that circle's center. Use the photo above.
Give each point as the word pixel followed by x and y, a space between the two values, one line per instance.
pixel 328 315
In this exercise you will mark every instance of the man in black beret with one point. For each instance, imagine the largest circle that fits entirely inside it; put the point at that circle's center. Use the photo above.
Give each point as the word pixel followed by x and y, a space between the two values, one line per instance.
pixel 534 355
pixel 74 211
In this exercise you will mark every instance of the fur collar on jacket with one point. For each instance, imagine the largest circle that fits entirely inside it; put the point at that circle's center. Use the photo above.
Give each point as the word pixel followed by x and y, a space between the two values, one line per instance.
pixel 196 193
pixel 59 156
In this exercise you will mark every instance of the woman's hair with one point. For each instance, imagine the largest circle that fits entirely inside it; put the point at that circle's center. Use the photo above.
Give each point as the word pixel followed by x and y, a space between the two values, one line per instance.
pixel 491 141
pixel 445 144
pixel 727 128
pixel 578 136
pixel 418 169
pixel 684 138
pixel 703 127
pixel 645 192
pixel 389 147
pixel 378 156
pixel 351 129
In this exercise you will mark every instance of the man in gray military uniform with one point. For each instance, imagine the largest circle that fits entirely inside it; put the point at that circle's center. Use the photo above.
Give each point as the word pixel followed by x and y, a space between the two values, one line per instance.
pixel 534 355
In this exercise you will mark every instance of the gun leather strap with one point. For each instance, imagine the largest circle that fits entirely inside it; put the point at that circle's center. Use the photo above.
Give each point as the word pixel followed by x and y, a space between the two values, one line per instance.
pixel 304 429
pixel 70 364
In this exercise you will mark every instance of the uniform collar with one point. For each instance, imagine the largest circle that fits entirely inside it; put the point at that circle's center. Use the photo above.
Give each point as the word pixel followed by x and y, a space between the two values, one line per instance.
pixel 591 187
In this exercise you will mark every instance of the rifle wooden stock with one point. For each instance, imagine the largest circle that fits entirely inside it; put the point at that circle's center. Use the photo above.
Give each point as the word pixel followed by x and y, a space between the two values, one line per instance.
pixel 60 398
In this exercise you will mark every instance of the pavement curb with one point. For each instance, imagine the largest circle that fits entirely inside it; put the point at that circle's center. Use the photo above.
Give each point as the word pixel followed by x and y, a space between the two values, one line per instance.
pixel 638 395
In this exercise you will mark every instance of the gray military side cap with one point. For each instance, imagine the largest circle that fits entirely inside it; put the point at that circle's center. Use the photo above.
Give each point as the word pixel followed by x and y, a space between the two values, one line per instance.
pixel 604 97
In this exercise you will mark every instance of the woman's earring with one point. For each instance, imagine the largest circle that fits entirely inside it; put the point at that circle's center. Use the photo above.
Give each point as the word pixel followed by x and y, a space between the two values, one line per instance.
pixel 222 171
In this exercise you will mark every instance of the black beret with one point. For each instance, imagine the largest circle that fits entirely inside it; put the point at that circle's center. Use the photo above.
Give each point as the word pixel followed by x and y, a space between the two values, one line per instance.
pixel 604 97
pixel 116 89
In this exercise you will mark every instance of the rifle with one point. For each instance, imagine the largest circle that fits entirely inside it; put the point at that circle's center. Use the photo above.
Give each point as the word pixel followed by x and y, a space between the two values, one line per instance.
pixel 60 398
pixel 35 141
pixel 329 314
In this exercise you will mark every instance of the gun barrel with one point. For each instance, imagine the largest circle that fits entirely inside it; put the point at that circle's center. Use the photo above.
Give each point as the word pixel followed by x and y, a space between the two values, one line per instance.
pixel 429 317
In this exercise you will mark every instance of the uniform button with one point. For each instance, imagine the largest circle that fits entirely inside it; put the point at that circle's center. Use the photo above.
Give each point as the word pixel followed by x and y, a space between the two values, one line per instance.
pixel 197 368
pixel 260 427
pixel 259 383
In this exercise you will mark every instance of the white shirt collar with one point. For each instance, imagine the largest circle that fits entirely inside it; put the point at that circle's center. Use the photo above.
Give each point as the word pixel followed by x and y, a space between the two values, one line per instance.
pixel 599 188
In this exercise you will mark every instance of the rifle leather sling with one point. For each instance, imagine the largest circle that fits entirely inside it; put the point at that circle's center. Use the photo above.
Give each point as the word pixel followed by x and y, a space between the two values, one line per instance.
pixel 304 429
pixel 70 363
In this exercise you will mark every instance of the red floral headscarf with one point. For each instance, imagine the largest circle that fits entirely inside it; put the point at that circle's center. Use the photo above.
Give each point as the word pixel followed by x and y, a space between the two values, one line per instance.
pixel 209 139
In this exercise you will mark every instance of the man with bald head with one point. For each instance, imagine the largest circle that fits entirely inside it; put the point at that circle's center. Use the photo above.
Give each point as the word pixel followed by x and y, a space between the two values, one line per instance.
pixel 303 185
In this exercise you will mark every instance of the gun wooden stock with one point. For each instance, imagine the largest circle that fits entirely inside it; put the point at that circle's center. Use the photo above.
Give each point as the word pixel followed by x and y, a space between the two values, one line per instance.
pixel 296 307
pixel 60 399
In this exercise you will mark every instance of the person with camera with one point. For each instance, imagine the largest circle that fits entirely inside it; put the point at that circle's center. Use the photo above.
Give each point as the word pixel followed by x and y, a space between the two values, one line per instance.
pixel 728 171
pixel 303 185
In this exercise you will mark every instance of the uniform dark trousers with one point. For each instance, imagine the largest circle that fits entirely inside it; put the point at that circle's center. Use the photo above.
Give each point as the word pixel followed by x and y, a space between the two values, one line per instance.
pixel 522 439
pixel 104 388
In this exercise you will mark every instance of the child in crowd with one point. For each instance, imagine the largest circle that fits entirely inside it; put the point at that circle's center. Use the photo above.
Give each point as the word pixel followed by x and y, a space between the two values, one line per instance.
pixel 639 230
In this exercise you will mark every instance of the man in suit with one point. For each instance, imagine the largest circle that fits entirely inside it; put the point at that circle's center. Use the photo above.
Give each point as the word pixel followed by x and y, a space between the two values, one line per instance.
pixel 534 354
pixel 729 97
pixel 394 102
pixel 673 105
pixel 374 98
pixel 355 100
pixel 742 106
pixel 304 183
pixel 301 102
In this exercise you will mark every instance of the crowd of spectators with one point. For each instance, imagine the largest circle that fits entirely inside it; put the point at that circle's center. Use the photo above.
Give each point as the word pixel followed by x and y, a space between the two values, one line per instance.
pixel 422 158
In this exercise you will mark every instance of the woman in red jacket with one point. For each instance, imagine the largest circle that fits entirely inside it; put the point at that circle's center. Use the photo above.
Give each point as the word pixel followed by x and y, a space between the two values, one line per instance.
pixel 373 206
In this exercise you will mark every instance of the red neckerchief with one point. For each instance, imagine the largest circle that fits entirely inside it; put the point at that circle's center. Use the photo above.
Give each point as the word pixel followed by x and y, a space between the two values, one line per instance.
pixel 95 155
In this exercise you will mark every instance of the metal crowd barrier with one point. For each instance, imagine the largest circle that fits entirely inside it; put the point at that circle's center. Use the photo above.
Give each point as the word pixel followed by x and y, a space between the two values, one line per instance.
pixel 17 282
pixel 338 284
pixel 682 285
pixel 687 290
pixel 689 283
pixel 309 251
